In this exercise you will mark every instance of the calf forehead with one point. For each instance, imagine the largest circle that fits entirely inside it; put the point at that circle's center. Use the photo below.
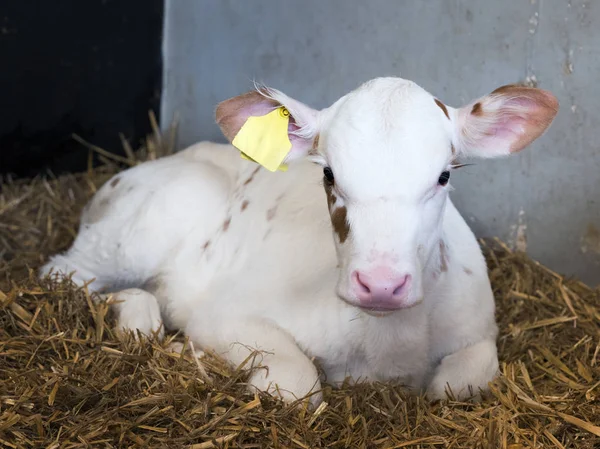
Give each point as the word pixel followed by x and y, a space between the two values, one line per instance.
pixel 387 114
pixel 394 128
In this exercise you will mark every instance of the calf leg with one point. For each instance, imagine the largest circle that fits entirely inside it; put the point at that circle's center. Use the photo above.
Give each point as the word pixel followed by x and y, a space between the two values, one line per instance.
pixel 64 265
pixel 137 310
pixel 279 368
pixel 465 372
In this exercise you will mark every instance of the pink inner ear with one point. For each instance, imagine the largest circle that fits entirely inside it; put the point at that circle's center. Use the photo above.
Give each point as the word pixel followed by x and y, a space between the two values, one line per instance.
pixel 300 145
pixel 508 120
pixel 263 108
pixel 528 117
pixel 258 109
pixel 232 114
pixel 508 127
pixel 292 129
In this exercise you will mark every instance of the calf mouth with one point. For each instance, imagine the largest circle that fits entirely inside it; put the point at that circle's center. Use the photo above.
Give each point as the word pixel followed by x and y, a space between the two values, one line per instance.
pixel 378 310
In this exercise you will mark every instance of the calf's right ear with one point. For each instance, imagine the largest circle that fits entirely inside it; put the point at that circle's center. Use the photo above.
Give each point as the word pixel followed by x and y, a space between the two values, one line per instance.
pixel 503 122
pixel 303 129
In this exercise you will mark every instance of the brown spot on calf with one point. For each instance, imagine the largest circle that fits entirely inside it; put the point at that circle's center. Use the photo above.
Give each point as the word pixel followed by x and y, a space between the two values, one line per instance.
pixel 271 213
pixel 339 220
pixel 245 204
pixel 477 109
pixel 249 180
pixel 331 198
pixel 443 107
pixel 226 224
pixel 443 257
pixel 114 182
pixel 206 245
pixel 315 145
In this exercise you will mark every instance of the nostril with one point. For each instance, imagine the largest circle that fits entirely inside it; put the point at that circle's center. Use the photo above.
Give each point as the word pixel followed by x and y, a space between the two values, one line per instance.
pixel 364 287
pixel 400 286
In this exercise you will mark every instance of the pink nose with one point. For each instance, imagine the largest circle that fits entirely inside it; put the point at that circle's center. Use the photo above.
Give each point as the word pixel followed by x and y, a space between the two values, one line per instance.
pixel 380 288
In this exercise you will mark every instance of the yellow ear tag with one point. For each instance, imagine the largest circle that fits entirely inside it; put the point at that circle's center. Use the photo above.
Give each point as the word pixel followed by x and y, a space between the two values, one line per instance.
pixel 265 140
pixel 282 167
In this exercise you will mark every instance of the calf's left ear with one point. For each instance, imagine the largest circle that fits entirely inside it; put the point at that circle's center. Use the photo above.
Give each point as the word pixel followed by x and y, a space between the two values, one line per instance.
pixel 303 130
pixel 503 122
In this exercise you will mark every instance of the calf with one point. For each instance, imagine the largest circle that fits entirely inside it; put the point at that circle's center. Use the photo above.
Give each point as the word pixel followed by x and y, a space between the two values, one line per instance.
pixel 355 256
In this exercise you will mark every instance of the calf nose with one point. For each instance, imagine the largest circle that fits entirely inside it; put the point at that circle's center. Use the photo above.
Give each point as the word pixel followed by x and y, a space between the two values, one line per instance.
pixel 380 288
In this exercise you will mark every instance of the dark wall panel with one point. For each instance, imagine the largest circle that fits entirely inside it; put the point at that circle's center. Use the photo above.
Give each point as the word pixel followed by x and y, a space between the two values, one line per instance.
pixel 91 67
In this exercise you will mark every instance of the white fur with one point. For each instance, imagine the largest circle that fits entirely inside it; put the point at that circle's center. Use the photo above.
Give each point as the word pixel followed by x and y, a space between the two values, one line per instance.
pixel 271 278
pixel 137 309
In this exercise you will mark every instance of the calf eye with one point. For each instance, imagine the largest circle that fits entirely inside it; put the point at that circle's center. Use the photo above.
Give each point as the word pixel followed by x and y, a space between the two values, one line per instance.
pixel 444 178
pixel 328 174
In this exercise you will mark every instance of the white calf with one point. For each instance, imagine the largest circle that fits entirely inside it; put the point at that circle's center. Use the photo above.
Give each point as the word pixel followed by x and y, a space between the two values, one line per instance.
pixel 242 259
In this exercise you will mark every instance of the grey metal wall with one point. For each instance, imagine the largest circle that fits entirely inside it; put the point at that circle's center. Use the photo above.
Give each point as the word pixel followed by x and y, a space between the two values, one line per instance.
pixel 544 199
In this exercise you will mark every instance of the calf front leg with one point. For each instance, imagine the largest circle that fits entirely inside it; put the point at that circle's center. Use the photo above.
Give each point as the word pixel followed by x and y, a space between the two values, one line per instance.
pixel 137 309
pixel 279 367
pixel 465 372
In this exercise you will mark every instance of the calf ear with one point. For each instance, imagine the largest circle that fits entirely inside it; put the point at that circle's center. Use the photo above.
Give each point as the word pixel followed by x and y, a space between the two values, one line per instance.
pixel 303 122
pixel 503 122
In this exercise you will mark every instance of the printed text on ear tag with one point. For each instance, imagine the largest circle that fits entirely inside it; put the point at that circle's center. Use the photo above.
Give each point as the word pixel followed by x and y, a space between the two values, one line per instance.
pixel 265 139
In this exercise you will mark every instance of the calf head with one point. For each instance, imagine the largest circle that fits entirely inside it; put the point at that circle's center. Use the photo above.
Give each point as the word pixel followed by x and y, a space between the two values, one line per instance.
pixel 387 150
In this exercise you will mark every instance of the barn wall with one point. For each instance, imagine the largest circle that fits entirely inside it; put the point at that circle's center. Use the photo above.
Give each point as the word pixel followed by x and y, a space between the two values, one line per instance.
pixel 545 198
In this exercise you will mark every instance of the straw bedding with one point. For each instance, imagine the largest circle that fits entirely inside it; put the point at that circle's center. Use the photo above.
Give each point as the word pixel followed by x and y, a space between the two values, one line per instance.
pixel 66 379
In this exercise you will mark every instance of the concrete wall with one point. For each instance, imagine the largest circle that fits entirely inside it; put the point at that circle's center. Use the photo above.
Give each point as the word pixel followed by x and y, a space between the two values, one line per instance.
pixel 317 50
